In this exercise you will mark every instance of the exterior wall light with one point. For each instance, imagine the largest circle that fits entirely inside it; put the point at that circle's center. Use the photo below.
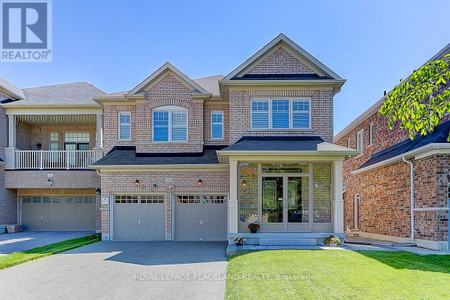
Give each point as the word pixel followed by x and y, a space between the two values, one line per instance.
pixel 244 183
pixel 98 191
pixel 137 183
pixel 200 182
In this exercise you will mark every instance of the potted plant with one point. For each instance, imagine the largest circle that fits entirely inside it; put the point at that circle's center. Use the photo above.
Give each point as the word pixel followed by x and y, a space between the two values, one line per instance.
pixel 332 240
pixel 253 227
pixel 239 240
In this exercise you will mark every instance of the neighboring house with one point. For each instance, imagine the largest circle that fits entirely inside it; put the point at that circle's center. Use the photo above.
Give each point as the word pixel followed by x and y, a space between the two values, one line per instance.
pixel 378 186
pixel 48 138
pixel 201 159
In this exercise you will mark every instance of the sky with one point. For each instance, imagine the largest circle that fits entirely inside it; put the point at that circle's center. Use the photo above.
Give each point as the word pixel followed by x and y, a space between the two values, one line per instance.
pixel 116 44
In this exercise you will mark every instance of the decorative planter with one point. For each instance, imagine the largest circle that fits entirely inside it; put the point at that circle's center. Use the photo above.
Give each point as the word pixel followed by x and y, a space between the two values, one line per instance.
pixel 14 228
pixel 253 230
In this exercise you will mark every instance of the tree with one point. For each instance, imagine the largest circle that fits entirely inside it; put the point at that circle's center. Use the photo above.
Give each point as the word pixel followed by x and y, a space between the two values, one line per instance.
pixel 419 102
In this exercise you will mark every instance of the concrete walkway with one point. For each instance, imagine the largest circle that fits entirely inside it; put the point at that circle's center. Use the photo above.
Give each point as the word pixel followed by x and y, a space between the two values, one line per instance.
pixel 353 244
pixel 21 241
pixel 122 270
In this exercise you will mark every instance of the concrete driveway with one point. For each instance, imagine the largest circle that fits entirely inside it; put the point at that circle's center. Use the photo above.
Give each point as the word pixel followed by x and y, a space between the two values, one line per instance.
pixel 21 241
pixel 122 270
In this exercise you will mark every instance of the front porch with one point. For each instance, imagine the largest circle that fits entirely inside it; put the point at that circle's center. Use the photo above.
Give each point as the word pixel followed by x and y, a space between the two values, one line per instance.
pixel 294 195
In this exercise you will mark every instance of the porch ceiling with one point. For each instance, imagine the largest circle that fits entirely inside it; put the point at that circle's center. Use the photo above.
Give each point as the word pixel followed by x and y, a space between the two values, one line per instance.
pixel 47 120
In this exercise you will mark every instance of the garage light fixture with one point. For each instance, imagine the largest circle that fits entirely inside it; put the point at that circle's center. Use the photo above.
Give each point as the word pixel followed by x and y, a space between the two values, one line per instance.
pixel 137 183
pixel 200 182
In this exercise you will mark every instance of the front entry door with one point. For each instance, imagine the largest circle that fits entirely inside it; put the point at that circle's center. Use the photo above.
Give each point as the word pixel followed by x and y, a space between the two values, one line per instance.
pixel 285 203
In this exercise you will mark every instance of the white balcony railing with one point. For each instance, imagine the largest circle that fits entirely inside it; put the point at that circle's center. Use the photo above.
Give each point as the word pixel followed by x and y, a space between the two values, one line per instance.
pixel 55 159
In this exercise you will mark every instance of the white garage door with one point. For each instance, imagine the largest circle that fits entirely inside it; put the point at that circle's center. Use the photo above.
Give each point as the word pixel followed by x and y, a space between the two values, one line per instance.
pixel 138 217
pixel 201 217
pixel 70 213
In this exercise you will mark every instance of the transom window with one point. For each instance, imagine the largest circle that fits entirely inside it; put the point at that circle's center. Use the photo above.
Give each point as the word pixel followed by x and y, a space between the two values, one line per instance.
pixel 281 113
pixel 76 137
pixel 170 124
pixel 206 199
pixel 124 126
pixel 217 124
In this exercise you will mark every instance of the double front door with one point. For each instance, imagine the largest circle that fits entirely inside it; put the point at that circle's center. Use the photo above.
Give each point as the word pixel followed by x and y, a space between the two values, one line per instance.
pixel 286 203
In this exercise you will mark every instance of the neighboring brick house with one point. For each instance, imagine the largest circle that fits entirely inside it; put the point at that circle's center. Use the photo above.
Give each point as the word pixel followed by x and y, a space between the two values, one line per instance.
pixel 377 197
pixel 200 159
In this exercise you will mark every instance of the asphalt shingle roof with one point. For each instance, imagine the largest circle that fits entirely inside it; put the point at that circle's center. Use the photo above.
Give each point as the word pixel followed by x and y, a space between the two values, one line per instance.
pixel 126 155
pixel 439 135
pixel 276 143
pixel 67 94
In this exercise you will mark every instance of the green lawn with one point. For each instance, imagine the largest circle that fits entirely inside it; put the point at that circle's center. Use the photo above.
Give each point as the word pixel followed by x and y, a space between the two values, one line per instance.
pixel 319 274
pixel 21 257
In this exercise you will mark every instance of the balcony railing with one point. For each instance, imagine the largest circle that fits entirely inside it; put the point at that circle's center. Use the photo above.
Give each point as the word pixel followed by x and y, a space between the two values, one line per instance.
pixel 55 159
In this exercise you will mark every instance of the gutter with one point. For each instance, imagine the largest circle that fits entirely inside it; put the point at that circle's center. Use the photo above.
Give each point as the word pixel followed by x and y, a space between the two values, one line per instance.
pixel 411 165
pixel 443 148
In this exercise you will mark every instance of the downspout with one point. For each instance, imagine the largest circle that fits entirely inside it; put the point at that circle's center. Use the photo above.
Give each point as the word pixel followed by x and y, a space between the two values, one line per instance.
pixel 412 195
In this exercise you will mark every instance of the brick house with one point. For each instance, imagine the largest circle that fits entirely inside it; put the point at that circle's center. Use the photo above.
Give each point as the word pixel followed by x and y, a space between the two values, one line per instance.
pixel 185 159
pixel 378 198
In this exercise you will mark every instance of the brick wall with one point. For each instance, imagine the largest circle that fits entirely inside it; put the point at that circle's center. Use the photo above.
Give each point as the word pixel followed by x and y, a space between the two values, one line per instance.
pixel 183 182
pixel 168 91
pixel 321 113
pixel 8 204
pixel 385 192
pixel 280 62
pixel 79 179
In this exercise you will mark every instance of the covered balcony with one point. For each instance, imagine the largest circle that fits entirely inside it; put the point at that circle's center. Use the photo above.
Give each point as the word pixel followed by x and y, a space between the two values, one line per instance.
pixel 62 141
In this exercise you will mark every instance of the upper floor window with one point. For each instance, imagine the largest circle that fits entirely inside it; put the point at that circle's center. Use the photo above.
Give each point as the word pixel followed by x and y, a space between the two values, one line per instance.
pixel 281 114
pixel 360 141
pixel 170 124
pixel 124 126
pixel 217 125
pixel 371 134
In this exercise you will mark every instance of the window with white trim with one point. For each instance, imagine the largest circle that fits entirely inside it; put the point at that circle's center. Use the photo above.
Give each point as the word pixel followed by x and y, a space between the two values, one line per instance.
pixel 371 134
pixel 124 126
pixel 217 125
pixel 281 113
pixel 360 141
pixel 170 124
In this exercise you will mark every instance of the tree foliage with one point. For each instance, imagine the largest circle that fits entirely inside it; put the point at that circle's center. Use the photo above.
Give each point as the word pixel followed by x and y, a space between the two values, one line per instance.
pixel 419 102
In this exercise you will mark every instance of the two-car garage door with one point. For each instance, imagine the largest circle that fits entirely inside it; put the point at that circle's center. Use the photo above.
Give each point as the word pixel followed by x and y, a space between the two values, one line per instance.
pixel 68 213
pixel 197 217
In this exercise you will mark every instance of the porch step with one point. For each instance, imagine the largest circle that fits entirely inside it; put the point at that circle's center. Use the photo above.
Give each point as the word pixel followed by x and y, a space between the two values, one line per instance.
pixel 286 242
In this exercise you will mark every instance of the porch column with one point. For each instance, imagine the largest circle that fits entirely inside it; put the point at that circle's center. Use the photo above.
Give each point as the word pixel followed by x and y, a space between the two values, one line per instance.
pixel 338 207
pixel 10 155
pixel 99 132
pixel 233 201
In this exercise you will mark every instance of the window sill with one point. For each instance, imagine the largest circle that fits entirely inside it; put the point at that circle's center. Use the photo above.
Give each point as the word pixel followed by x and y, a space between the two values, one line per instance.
pixel 120 140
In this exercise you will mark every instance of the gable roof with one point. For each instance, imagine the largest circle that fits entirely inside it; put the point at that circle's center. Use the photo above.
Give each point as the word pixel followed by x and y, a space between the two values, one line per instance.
pixel 66 94
pixel 166 67
pixel 438 136
pixel 377 105
pixel 10 89
pixel 301 54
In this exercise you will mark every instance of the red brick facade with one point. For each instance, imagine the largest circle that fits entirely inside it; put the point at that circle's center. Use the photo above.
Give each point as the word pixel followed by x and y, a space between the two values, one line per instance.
pixel 384 206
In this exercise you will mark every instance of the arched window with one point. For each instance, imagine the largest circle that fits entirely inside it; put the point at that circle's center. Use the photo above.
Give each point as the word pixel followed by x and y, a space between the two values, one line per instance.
pixel 170 124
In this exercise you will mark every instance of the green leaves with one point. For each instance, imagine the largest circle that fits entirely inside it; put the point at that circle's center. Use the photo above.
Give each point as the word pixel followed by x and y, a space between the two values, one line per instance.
pixel 419 102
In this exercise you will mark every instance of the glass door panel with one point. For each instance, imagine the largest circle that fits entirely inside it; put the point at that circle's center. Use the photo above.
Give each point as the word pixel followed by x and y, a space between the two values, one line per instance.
pixel 272 200
pixel 298 200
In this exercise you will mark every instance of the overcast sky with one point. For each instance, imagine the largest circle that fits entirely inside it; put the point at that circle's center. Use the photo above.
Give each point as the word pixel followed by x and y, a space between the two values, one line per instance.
pixel 116 44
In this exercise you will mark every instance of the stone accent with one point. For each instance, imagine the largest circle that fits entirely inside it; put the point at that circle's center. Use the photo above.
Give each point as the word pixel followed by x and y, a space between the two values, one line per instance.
pixel 280 62
pixel 321 113
pixel 183 182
